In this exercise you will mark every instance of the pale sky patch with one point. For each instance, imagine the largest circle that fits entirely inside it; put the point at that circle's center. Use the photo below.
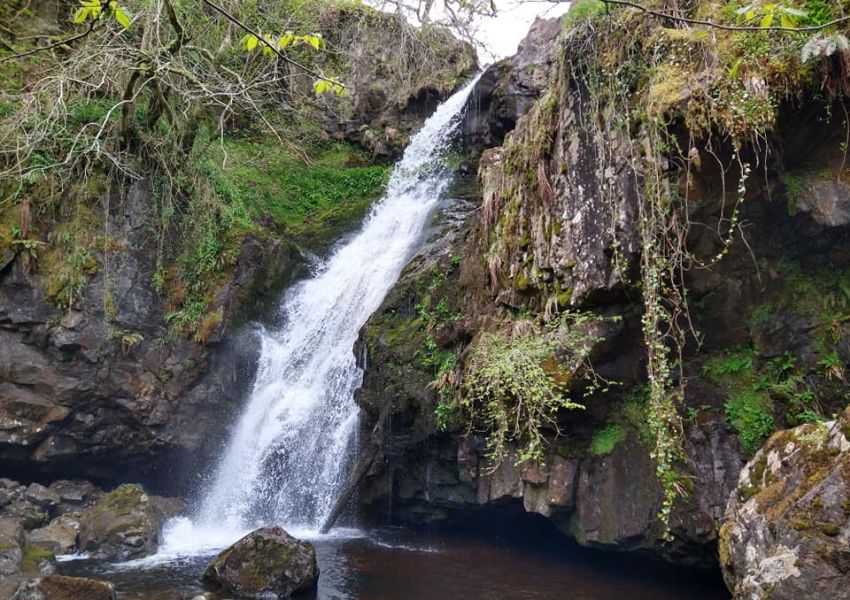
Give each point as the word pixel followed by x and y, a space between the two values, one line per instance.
pixel 502 34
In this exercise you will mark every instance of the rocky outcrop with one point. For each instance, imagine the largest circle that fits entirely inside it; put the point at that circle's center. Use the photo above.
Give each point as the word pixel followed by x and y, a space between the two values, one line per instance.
pixel 124 524
pixel 76 516
pixel 268 563
pixel 95 391
pixel 59 587
pixel 397 76
pixel 19 559
pixel 787 523
pixel 557 229
pixel 507 89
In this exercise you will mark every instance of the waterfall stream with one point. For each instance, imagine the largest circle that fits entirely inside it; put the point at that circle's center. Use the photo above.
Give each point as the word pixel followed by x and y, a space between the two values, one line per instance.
pixel 287 457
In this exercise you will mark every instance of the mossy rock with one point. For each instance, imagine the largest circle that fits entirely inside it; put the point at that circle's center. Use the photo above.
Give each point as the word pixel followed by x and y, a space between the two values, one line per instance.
pixel 267 563
pixel 788 519
pixel 59 587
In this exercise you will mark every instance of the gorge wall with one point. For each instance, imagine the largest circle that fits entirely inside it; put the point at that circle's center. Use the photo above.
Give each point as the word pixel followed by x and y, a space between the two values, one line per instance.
pixel 559 228
pixel 125 342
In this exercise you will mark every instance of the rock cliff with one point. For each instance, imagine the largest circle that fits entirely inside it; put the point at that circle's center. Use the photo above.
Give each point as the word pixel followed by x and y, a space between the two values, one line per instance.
pixel 561 227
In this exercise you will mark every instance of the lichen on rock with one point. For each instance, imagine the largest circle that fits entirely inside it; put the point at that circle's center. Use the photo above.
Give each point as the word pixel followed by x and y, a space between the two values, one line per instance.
pixel 786 526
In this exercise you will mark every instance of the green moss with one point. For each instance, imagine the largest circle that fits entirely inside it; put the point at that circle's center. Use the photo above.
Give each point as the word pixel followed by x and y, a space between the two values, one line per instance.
pixel 122 500
pixel 582 11
pixel 33 556
pixel 606 440
pixel 801 524
pixel 758 470
pixel 312 201
pixel 794 188
pixel 522 283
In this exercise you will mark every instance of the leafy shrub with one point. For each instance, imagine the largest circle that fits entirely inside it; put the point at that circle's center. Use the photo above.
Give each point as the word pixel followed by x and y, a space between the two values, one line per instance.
pixel 517 385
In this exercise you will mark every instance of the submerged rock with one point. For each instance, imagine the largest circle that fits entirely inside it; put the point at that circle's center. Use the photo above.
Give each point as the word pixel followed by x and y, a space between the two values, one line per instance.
pixel 788 523
pixel 267 563
pixel 58 587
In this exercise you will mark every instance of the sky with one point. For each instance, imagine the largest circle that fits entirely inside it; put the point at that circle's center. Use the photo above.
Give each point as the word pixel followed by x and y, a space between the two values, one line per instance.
pixel 501 35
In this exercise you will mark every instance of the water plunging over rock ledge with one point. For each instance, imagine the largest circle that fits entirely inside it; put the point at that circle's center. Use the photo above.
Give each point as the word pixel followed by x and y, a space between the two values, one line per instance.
pixel 287 458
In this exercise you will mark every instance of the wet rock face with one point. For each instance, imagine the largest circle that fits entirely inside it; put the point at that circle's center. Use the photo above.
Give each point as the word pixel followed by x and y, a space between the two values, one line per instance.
pixel 507 89
pixel 827 200
pixel 268 563
pixel 76 400
pixel 11 547
pixel 787 524
pixel 58 587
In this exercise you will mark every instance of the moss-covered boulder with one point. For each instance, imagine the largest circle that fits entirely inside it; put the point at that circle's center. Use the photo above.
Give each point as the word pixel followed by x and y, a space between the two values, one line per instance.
pixel 124 524
pixel 788 523
pixel 268 563
pixel 58 587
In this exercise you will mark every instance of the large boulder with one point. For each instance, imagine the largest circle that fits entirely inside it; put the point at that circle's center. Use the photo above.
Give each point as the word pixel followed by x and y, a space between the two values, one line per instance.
pixel 58 587
pixel 788 523
pixel 124 524
pixel 267 563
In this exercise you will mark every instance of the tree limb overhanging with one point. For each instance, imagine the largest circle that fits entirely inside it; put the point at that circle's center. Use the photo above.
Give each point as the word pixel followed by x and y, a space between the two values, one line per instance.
pixel 265 43
pixel 64 42
pixel 690 21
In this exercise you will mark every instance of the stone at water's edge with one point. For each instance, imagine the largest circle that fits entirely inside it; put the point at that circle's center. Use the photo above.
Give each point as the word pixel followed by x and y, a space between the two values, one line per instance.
pixel 788 523
pixel 58 587
pixel 267 563
pixel 125 523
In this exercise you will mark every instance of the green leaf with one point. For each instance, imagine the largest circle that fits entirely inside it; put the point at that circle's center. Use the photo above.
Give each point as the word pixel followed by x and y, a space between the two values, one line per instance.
pixel 314 40
pixel 286 40
pixel 787 21
pixel 766 20
pixel 81 15
pixel 249 42
pixel 793 12
pixel 122 17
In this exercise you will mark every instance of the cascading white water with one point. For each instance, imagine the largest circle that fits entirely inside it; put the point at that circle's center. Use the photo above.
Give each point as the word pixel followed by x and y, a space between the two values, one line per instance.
pixel 287 458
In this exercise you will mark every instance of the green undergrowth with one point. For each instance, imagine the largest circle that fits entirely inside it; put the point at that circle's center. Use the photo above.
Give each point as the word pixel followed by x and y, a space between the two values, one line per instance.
pixel 253 185
pixel 818 295
pixel 311 200
pixel 762 394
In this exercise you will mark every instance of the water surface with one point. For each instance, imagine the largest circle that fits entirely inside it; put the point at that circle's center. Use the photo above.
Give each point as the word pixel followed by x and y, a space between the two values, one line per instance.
pixel 395 564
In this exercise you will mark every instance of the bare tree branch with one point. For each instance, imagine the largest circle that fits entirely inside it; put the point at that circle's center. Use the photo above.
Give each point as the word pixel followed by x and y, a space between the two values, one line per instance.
pixel 64 42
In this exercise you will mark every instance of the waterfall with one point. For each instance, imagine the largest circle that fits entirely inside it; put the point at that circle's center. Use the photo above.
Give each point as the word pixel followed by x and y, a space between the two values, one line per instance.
pixel 286 460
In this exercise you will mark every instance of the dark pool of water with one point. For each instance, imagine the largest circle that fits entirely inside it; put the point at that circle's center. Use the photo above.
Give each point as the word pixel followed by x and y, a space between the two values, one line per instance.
pixel 406 565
